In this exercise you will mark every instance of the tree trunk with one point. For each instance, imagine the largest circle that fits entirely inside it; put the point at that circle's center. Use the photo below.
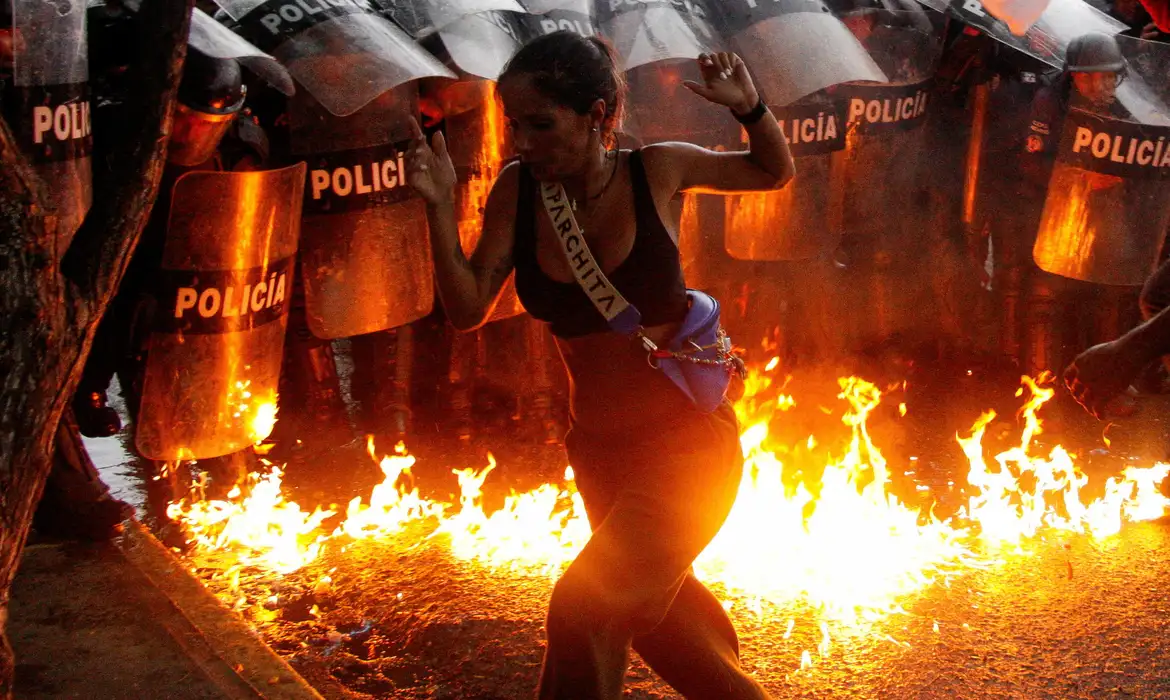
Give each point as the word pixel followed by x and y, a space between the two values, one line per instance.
pixel 51 307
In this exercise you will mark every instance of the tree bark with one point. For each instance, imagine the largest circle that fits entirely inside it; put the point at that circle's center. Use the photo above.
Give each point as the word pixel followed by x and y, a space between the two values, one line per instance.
pixel 51 308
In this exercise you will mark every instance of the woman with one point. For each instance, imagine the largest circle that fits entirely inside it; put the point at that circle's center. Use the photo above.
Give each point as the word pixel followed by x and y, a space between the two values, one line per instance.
pixel 658 477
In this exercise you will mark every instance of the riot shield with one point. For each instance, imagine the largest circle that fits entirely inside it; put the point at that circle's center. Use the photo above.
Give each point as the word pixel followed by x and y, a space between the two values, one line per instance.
pixel 886 197
pixel 341 51
pixel 659 108
pixel 365 252
pixel 217 41
pixel 795 47
pixel 1144 91
pixel 1108 201
pixel 644 33
pixel 478 143
pixel 1046 39
pixel 48 105
pixel 548 16
pixel 482 44
pixel 478 36
pixel 213 361
pixel 803 219
pixel 441 13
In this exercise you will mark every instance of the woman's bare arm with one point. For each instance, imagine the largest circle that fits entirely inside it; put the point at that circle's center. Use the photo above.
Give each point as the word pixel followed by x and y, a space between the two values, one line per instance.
pixel 766 165
pixel 468 288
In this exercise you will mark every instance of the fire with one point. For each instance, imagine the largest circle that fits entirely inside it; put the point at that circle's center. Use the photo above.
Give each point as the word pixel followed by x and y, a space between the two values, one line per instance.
pixel 486 168
pixel 261 527
pixel 263 420
pixel 538 531
pixel 829 534
pixel 391 506
pixel 1006 512
pixel 847 546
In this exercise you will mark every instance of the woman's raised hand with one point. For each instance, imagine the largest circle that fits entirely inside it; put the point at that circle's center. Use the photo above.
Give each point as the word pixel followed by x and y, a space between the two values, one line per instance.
pixel 726 82
pixel 430 170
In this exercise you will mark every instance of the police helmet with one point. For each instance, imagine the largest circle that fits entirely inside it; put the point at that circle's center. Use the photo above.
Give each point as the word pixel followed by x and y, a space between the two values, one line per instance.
pixel 211 85
pixel 210 95
pixel 1094 53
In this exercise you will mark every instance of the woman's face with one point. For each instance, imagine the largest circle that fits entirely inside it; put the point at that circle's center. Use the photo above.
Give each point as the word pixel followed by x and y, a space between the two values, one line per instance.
pixel 552 140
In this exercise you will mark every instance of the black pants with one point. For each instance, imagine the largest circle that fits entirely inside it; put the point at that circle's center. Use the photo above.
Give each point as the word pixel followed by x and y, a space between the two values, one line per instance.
pixel 654 502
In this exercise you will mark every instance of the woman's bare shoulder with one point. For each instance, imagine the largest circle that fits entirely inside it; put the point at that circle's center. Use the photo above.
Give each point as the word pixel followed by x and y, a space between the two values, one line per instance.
pixel 665 164
pixel 509 178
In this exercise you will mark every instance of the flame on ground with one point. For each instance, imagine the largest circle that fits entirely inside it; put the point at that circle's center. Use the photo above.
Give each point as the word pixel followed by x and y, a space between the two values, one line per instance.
pixel 844 544
pixel 259 525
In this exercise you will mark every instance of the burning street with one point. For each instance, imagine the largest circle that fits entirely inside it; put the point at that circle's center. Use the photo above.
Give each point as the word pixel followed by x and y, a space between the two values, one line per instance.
pixel 360 305
pixel 848 569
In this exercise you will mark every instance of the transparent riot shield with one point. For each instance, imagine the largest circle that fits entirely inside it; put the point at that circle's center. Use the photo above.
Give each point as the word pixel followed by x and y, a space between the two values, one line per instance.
pixel 477 36
pixel 886 190
pixel 794 47
pixel 213 362
pixel 341 51
pixel 1108 199
pixel 548 16
pixel 365 251
pixel 802 220
pixel 48 105
pixel 482 44
pixel 644 33
pixel 1047 38
pixel 441 13
pixel 217 41
pixel 477 140
pixel 659 108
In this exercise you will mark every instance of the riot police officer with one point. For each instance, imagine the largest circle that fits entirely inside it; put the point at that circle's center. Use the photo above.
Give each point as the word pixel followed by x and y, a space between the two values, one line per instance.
pixel 211 131
pixel 210 96
pixel 1064 313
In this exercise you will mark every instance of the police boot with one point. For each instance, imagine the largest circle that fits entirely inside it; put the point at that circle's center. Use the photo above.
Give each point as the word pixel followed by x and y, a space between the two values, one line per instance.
pixel 459 384
pixel 382 373
pixel 312 412
pixel 327 420
pixel 95 419
pixel 75 504
pixel 1010 293
pixel 1042 324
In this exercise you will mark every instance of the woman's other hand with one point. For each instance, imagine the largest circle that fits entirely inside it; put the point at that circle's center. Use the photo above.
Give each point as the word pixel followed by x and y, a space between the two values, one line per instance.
pixel 1101 374
pixel 430 170
pixel 726 82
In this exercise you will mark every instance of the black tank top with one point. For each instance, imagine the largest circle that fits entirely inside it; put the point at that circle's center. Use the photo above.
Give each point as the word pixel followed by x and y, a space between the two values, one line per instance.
pixel 650 277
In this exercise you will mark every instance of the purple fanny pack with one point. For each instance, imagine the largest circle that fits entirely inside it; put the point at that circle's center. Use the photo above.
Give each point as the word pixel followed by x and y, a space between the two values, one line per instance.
pixel 699 359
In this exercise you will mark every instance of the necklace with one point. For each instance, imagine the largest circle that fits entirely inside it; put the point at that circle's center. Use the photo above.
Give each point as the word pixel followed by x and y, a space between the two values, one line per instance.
pixel 611 155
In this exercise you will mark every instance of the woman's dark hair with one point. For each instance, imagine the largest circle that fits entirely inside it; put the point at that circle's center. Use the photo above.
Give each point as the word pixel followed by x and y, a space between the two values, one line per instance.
pixel 573 71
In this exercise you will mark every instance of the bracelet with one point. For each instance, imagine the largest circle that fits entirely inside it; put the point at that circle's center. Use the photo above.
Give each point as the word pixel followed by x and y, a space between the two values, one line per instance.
pixel 753 116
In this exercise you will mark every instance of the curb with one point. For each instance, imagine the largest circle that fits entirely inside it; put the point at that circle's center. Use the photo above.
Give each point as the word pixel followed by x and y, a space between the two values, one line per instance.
pixel 250 664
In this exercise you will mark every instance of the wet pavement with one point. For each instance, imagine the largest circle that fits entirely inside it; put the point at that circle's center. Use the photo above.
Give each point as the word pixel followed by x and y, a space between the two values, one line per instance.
pixel 1071 617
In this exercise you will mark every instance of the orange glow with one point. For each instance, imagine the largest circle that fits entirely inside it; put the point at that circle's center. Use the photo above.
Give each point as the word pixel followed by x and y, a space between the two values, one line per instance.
pixel 841 542
pixel 690 240
pixel 1067 230
pixel 484 171
pixel 487 166
pixel 759 225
